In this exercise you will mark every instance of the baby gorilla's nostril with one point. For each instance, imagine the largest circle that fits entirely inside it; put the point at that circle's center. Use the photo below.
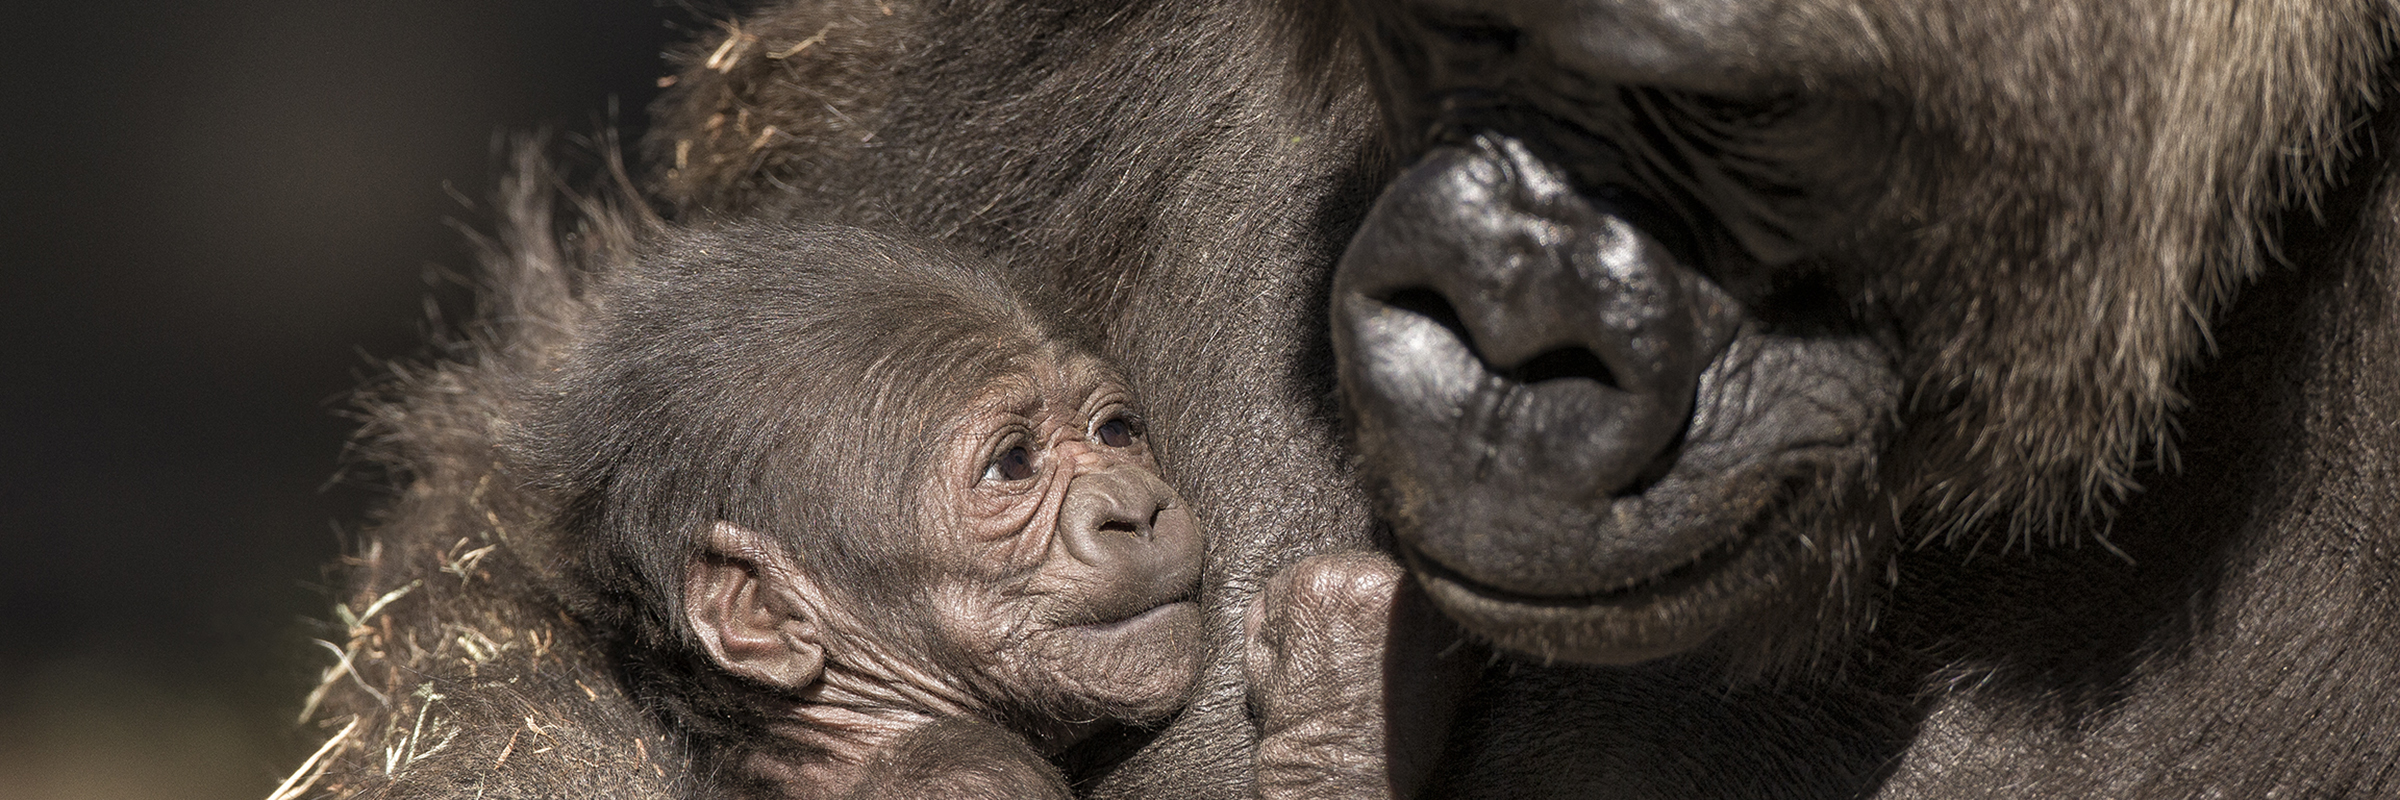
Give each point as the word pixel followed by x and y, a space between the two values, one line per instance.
pixel 1563 363
pixel 1120 526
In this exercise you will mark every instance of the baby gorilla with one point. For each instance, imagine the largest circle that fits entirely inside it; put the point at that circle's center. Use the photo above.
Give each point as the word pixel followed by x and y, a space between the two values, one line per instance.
pixel 844 511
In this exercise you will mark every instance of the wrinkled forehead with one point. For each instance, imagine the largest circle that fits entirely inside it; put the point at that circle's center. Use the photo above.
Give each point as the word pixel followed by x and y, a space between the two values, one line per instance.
pixel 1039 390
pixel 1042 380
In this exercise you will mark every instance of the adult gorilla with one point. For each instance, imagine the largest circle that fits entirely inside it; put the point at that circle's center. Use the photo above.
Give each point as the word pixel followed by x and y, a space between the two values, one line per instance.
pixel 1685 311
pixel 1737 329
pixel 1703 343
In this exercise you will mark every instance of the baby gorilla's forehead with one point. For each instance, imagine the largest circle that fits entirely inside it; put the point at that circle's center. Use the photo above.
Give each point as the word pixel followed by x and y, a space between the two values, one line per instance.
pixel 1046 398
pixel 1046 382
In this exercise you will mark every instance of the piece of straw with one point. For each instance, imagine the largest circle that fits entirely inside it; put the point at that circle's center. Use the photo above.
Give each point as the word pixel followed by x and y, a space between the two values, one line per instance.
pixel 288 791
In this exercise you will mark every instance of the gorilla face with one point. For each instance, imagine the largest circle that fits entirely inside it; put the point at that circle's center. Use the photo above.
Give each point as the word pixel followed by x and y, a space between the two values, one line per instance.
pixel 1582 433
pixel 1686 308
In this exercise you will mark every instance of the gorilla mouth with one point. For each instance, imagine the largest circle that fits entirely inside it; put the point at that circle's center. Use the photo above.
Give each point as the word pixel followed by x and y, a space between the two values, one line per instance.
pixel 1675 581
pixel 1646 617
pixel 1172 606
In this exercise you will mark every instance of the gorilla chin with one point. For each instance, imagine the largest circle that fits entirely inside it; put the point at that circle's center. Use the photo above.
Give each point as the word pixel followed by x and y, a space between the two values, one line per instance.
pixel 1586 448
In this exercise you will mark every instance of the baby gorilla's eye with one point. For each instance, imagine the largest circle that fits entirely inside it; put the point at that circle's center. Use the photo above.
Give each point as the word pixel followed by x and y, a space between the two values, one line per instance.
pixel 1115 433
pixel 1014 465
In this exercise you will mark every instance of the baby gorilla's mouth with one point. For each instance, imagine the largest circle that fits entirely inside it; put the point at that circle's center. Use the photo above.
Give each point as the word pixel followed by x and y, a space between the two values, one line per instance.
pixel 1105 622
pixel 1144 618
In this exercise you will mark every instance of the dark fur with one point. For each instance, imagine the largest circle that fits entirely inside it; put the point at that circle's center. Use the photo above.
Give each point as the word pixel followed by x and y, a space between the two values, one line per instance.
pixel 468 676
pixel 2135 163
pixel 1186 172
pixel 1118 230
pixel 1167 219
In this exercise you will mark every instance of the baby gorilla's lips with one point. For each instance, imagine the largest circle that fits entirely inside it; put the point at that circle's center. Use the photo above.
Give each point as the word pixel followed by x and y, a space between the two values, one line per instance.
pixel 1145 615
pixel 1166 613
pixel 1140 667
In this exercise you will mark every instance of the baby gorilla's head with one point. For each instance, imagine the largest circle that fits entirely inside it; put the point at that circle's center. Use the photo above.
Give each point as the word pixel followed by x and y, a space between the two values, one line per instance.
pixel 823 485
pixel 1052 577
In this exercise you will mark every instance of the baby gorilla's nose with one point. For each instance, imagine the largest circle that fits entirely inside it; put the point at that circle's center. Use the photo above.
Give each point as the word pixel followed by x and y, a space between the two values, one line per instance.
pixel 1126 523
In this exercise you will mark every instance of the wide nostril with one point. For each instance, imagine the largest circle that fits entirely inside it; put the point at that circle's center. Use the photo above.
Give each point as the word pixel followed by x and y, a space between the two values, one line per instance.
pixel 1561 363
pixel 1565 363
pixel 1125 524
pixel 1111 518
pixel 1431 305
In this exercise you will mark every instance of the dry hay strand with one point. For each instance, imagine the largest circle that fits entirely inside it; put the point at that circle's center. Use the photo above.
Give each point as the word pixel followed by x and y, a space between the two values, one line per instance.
pixel 314 768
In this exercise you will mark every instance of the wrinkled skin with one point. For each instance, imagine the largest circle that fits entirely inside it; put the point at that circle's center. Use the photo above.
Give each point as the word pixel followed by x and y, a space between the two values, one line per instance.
pixel 1064 578
pixel 1577 450
pixel 959 759
pixel 1353 679
pixel 1650 344
pixel 1160 173
pixel 1704 342
pixel 1715 339
pixel 1074 582
pixel 1039 575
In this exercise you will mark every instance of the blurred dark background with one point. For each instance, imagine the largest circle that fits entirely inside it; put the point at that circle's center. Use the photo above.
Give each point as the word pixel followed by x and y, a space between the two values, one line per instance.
pixel 218 215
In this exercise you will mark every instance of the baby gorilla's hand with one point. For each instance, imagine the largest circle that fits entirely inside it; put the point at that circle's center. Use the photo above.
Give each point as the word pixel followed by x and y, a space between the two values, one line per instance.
pixel 1353 679
pixel 961 758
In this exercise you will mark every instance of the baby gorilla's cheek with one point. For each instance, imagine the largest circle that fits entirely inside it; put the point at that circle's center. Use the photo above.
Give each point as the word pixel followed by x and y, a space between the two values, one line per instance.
pixel 1134 669
pixel 983 630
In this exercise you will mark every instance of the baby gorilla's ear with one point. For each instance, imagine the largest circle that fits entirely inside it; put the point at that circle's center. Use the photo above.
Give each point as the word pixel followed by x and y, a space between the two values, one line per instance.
pixel 748 603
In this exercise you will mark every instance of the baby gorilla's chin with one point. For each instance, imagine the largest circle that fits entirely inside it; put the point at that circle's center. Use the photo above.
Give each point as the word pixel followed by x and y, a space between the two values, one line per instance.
pixel 1133 669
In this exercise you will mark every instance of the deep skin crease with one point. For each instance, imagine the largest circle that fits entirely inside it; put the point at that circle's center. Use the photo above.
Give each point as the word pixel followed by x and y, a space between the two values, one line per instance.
pixel 1588 437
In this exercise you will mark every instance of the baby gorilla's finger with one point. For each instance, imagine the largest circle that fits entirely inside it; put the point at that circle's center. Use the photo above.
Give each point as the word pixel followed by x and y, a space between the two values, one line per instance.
pixel 1353 679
